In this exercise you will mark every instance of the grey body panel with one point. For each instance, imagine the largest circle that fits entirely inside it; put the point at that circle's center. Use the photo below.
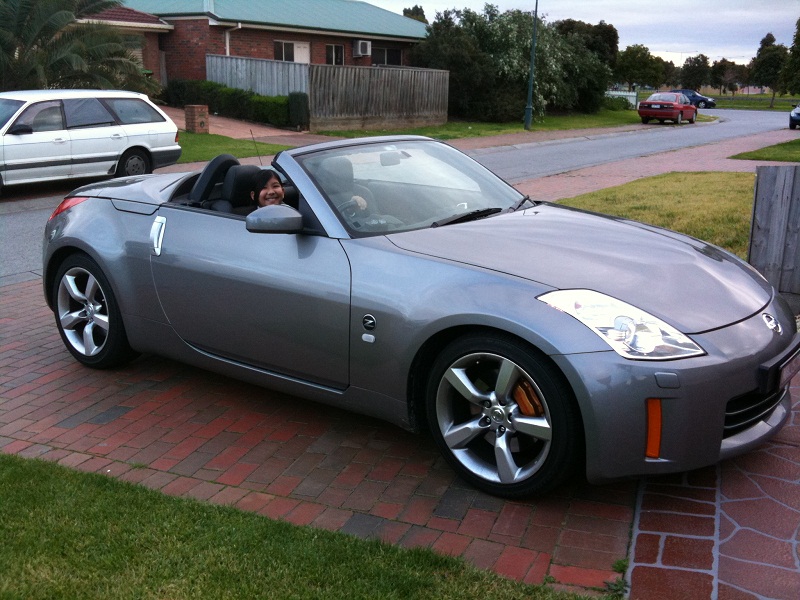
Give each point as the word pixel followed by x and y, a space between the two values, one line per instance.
pixel 571 249
pixel 344 321
pixel 276 301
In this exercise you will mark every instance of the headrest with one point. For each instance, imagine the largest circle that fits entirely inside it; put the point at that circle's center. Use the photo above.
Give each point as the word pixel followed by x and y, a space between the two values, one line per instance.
pixel 238 183
pixel 336 174
pixel 291 196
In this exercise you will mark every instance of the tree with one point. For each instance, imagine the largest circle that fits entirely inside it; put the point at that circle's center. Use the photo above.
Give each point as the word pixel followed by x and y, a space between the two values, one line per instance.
pixel 415 12
pixel 42 46
pixel 696 72
pixel 488 56
pixel 602 39
pixel 767 67
pixel 791 69
pixel 635 65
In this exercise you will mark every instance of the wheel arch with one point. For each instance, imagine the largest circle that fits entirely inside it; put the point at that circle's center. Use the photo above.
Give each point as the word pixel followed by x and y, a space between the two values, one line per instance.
pixel 422 364
pixel 147 152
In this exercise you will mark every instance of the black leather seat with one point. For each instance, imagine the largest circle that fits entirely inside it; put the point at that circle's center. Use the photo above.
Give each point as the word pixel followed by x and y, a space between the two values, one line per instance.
pixel 236 188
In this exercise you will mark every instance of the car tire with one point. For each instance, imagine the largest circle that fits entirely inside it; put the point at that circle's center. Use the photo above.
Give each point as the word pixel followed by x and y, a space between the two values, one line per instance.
pixel 134 162
pixel 791 126
pixel 88 316
pixel 679 119
pixel 701 104
pixel 645 120
pixel 504 418
pixel 693 118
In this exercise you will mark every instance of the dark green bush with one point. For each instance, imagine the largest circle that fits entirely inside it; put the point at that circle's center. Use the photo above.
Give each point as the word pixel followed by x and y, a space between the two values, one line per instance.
pixel 230 102
pixel 616 103
pixel 270 109
pixel 299 111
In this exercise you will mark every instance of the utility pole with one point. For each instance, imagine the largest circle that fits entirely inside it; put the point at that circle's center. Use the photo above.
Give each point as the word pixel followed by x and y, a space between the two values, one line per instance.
pixel 529 106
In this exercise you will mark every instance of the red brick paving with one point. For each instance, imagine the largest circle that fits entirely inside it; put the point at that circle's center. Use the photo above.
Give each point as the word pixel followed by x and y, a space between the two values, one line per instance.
pixel 726 532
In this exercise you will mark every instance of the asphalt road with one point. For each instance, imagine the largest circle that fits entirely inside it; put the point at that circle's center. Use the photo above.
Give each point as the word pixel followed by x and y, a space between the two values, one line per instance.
pixel 529 161
pixel 24 209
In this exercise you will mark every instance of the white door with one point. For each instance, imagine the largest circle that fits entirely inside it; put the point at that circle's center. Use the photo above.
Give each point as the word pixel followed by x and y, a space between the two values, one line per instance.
pixel 36 146
pixel 97 139
pixel 302 53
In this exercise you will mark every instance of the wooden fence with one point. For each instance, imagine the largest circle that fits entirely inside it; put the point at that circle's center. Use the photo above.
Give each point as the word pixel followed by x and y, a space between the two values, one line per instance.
pixel 343 97
pixel 264 77
pixel 775 230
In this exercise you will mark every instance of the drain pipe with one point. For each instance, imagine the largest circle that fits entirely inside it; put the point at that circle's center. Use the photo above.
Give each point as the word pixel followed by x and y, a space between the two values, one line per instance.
pixel 228 38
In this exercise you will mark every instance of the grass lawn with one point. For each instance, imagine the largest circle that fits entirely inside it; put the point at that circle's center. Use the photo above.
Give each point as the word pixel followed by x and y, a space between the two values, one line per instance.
pixel 715 207
pixel 68 534
pixel 461 129
pixel 788 152
pixel 205 146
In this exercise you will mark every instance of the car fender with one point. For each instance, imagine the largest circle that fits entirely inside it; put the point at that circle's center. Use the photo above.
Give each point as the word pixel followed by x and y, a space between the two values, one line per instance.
pixel 94 228
pixel 402 300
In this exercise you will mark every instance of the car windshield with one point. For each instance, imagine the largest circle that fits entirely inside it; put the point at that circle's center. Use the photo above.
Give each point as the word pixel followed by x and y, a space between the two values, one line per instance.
pixel 385 187
pixel 663 98
pixel 7 109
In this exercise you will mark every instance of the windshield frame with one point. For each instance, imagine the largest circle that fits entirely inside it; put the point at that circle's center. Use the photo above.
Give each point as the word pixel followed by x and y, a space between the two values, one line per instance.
pixel 8 108
pixel 410 183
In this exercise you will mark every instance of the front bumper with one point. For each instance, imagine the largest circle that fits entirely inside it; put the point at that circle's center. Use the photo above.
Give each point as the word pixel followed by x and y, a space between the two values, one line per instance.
pixel 712 407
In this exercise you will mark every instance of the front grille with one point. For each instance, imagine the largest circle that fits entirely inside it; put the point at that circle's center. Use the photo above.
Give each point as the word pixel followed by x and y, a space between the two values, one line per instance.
pixel 746 410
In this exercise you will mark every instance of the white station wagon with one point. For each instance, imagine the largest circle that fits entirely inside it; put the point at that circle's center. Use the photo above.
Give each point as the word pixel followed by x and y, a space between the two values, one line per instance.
pixel 62 134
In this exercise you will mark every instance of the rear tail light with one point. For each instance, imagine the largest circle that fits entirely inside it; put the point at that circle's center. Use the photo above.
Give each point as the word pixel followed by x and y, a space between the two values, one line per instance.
pixel 66 204
pixel 176 137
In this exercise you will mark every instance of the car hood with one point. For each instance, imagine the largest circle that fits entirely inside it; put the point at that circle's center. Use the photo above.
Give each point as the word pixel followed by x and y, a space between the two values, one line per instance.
pixel 688 283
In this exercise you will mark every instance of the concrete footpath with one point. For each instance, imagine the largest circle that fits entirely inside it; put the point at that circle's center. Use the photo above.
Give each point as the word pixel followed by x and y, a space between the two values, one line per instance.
pixel 729 532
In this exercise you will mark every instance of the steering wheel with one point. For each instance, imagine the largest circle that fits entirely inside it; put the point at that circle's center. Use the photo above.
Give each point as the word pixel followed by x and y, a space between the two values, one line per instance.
pixel 213 173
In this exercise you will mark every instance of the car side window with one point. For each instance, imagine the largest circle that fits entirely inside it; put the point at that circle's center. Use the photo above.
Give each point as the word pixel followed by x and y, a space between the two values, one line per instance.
pixel 87 112
pixel 131 111
pixel 42 116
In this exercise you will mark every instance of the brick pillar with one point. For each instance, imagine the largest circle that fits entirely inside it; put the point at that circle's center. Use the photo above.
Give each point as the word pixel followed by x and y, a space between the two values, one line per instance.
pixel 196 118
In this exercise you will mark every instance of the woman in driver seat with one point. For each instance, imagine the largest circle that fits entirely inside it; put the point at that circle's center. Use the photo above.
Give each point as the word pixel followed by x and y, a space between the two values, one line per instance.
pixel 267 188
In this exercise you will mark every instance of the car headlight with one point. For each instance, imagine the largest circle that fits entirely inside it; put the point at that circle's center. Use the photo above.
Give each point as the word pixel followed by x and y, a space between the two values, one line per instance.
pixel 631 332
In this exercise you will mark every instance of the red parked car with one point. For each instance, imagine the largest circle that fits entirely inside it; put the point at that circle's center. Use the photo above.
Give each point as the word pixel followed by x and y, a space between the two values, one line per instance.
pixel 667 106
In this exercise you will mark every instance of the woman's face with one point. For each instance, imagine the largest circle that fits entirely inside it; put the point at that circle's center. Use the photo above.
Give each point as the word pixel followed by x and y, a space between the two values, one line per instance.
pixel 271 193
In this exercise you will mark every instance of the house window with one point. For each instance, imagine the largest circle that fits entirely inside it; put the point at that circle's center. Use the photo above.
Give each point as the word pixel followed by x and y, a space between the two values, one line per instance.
pixel 387 56
pixel 334 55
pixel 284 51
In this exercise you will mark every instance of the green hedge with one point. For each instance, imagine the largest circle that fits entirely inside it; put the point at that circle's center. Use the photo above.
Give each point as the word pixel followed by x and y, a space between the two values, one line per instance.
pixel 281 111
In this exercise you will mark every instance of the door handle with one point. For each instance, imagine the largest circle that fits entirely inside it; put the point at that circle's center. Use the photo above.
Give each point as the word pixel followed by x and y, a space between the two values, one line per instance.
pixel 157 235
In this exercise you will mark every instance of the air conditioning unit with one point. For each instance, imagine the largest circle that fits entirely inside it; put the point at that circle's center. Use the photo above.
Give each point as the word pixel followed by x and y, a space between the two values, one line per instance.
pixel 362 48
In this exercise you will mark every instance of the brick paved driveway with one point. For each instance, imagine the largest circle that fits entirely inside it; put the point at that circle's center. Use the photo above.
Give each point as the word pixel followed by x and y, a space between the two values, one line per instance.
pixel 731 531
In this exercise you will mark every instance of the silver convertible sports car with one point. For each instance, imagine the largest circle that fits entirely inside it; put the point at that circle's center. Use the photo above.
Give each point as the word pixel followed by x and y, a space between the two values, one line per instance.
pixel 401 279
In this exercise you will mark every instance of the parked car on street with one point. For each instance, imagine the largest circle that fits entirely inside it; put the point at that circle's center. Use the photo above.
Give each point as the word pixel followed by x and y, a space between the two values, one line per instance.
pixel 62 134
pixel 401 279
pixel 667 106
pixel 698 99
pixel 794 117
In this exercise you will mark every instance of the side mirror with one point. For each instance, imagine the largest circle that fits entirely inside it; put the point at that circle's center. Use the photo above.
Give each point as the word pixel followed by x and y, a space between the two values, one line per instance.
pixel 20 129
pixel 278 218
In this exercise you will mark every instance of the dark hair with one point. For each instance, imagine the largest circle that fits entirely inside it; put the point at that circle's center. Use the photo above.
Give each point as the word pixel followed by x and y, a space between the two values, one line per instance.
pixel 262 178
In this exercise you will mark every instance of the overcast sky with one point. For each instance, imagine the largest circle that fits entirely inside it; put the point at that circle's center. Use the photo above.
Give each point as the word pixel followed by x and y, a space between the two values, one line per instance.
pixel 671 29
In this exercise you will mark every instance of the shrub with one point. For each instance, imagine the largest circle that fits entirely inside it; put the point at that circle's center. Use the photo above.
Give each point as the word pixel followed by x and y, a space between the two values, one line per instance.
pixel 299 111
pixel 616 103
pixel 230 102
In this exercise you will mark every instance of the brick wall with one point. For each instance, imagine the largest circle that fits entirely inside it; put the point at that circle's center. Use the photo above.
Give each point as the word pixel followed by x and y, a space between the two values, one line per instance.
pixel 186 47
pixel 150 54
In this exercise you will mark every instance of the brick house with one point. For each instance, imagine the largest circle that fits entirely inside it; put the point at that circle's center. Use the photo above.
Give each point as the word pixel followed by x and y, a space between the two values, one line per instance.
pixel 339 32
pixel 148 27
